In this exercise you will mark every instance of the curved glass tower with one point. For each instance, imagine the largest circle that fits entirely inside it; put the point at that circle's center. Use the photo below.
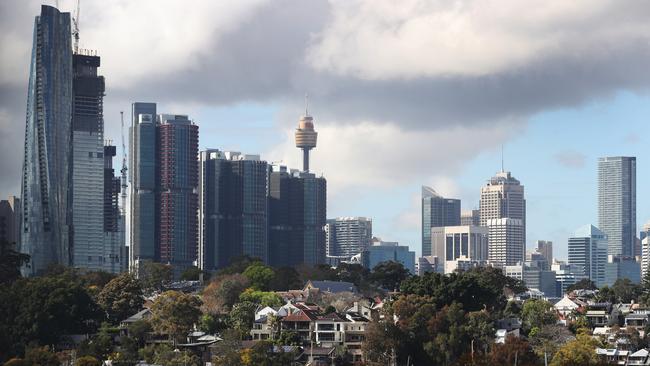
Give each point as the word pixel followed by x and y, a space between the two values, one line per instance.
pixel 46 188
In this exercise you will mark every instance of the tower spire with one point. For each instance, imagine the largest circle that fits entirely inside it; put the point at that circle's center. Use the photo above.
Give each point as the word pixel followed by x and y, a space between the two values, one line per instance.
pixel 502 170
pixel 306 104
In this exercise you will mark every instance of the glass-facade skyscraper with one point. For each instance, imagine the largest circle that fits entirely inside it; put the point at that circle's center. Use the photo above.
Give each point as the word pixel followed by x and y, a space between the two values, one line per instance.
pixel 617 203
pixel 88 165
pixel 437 211
pixel 164 179
pixel 46 212
pixel 588 253
pixel 297 216
pixel 233 208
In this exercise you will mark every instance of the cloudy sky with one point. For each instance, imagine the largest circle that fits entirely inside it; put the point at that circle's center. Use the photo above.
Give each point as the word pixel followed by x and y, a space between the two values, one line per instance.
pixel 403 94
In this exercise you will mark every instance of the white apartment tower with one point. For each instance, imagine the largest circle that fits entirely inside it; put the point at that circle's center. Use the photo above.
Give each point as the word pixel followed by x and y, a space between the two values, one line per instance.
pixel 506 241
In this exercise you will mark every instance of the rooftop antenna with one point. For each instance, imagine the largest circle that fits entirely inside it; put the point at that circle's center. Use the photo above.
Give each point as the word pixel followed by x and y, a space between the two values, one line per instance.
pixel 502 159
pixel 306 104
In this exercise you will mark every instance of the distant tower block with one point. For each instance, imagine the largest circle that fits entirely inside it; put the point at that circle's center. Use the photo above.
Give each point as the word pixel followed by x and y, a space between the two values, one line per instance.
pixel 306 138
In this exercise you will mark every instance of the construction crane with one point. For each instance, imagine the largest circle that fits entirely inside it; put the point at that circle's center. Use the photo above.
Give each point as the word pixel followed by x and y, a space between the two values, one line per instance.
pixel 75 29
pixel 124 167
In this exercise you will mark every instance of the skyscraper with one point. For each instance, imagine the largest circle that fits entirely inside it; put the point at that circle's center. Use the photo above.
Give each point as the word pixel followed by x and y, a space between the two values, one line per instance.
pixel 503 197
pixel 617 203
pixel 10 221
pixel 347 236
pixel 46 211
pixel 437 211
pixel 506 246
pixel 115 256
pixel 470 218
pixel 88 164
pixel 177 141
pixel 545 248
pixel 164 180
pixel 588 253
pixel 142 179
pixel 297 216
pixel 233 208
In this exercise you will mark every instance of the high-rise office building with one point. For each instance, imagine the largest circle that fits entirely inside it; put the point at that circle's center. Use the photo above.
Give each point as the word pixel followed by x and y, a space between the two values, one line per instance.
pixel 437 211
pixel 114 249
pixel 88 164
pixel 617 203
pixel 10 221
pixel 347 236
pixel 645 257
pixel 622 267
pixel 46 212
pixel 388 251
pixel 176 197
pixel 164 182
pixel 503 197
pixel 297 216
pixel 545 248
pixel 588 253
pixel 233 208
pixel 142 179
pixel 470 218
pixel 506 246
pixel 453 243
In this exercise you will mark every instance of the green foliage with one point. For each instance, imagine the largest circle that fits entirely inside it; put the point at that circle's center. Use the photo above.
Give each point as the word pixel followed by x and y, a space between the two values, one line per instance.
pixel 262 298
pixel 389 275
pixel 100 345
pixel 174 313
pixel 479 327
pixel 87 361
pixel 194 274
pixel 476 289
pixel 10 262
pixel 223 292
pixel 260 276
pixel 41 356
pixel 139 330
pixel 625 291
pixel 226 352
pixel 286 278
pixel 238 265
pixel 262 354
pixel 155 276
pixel 538 313
pixel 121 297
pixel 241 317
pixel 41 309
pixel 579 351
pixel 289 338
pixel 209 324
pixel 319 272
pixel 583 284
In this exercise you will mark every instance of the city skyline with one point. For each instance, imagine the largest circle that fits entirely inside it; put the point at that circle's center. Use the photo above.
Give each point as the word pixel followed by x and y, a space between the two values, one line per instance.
pixel 268 121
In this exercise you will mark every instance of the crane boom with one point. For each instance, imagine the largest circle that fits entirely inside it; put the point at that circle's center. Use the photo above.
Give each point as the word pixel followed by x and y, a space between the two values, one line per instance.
pixel 124 166
pixel 75 30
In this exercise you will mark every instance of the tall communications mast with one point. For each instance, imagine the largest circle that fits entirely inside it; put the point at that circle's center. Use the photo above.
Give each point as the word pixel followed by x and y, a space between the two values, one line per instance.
pixel 124 168
pixel 306 137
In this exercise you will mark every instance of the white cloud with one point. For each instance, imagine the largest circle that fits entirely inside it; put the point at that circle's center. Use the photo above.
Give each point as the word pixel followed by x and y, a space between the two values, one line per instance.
pixel 384 39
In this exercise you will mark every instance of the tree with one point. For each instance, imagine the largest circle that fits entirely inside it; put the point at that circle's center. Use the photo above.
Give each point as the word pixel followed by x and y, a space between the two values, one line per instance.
pixel 289 338
pixel 226 352
pixel 583 284
pixel 41 356
pixel 538 313
pixel 260 276
pixel 194 274
pixel 10 262
pixel 263 353
pixel 449 339
pixel 238 265
pixel 578 352
pixel 87 361
pixel 241 317
pixel 100 345
pixel 318 272
pixel 139 330
pixel 41 309
pixel 262 298
pixel 513 348
pixel 480 329
pixel 121 297
pixel 174 313
pixel 223 292
pixel 286 278
pixel 548 339
pixel 155 276
pixel 389 275
pixel 355 273
pixel 625 291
